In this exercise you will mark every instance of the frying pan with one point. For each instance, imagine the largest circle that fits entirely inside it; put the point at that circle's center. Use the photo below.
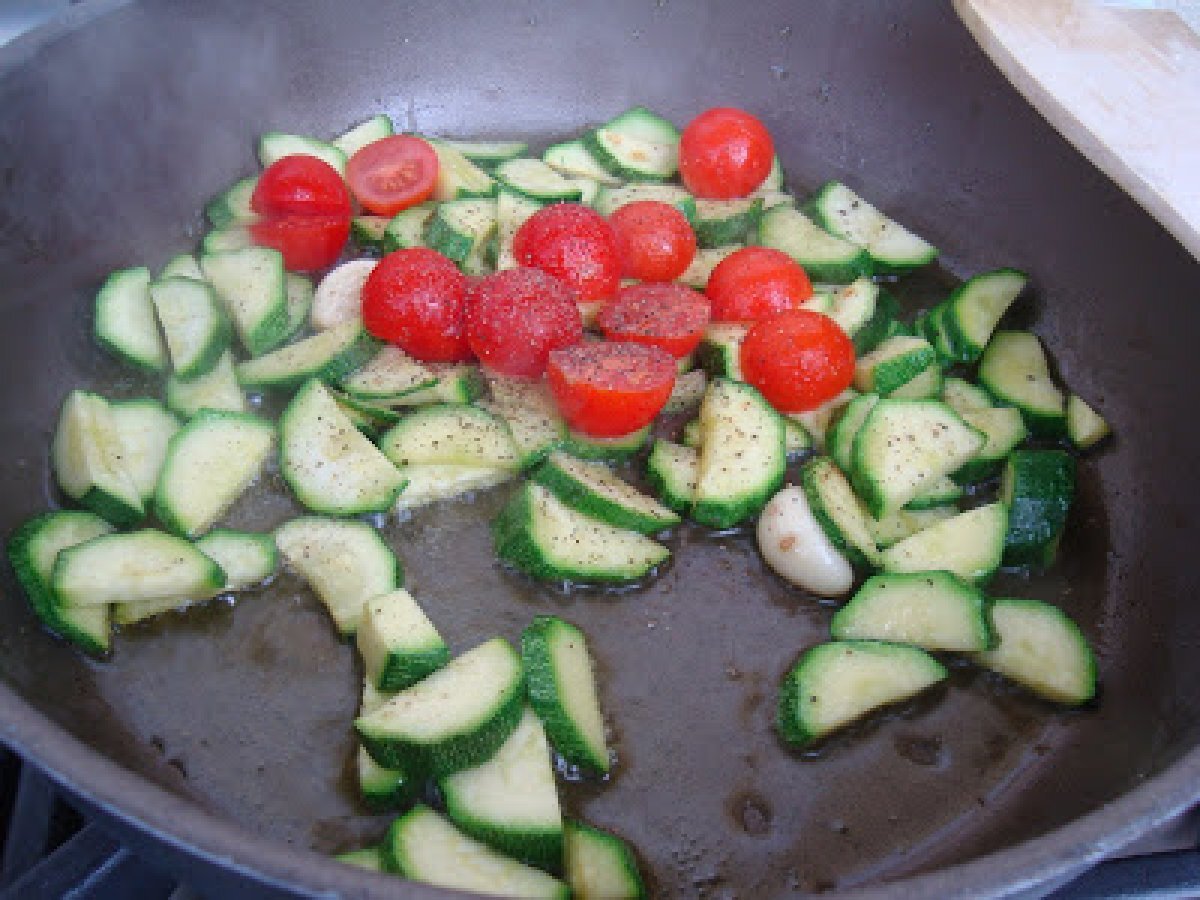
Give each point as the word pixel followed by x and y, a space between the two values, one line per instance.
pixel 218 740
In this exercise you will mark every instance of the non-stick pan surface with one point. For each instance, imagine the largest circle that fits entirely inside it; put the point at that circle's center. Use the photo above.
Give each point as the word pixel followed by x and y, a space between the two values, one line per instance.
pixel 115 132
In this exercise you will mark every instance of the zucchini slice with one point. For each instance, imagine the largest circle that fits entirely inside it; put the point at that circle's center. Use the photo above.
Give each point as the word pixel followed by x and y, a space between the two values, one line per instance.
pixel 422 845
pixel 406 229
pixel 275 145
pixel 702 264
pixel 893 248
pixel 330 466
pixel 232 205
pixel 595 490
pixel 450 434
pixel 247 558
pixel 146 428
pixel 1038 486
pixel 1085 426
pixel 1041 649
pixel 528 409
pixel 32 550
pixel 671 470
pixel 824 256
pixel 969 544
pixel 742 454
pixel 834 684
pixel 612 449
pixel 599 865
pixel 896 363
pixel 455 719
pixel 389 374
pixel 562 690
pixel 398 643
pixel 458 177
pixel 432 482
pixel 930 610
pixel 328 355
pixel 536 180
pixel 195 326
pixel 839 511
pixel 1015 371
pixel 134 567
pixel 88 460
pixel 975 308
pixel 510 802
pixel 217 390
pixel 637 145
pixel 373 129
pixel 125 323
pixel 209 464
pixel 250 283
pixel 347 563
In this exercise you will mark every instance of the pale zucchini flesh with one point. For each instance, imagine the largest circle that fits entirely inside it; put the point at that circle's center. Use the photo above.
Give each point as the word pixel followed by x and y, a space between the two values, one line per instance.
pixel 597 491
pixel 599 865
pixel 398 644
pixel 427 483
pixel 969 544
pixel 930 610
pixel 87 455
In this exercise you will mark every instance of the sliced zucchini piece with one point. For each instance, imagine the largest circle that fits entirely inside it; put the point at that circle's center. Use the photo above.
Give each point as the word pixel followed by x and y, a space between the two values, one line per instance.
pixel 251 285
pixel 540 535
pixel 702 264
pixel 330 466
pixel 459 228
pixel 247 558
pixel 368 231
pixel 1003 428
pixel 183 265
pixel 599 865
pixel 145 428
pixel 275 145
pixel 338 297
pixel 451 434
pixel 969 544
pixel 398 643
pixel 904 446
pixel 975 308
pixel 381 788
pixel 834 684
pixel 1038 487
pixel 722 222
pixel 125 323
pixel 369 858
pixel 895 363
pixel 571 158
pixel 422 845
pixel 1015 371
pixel 671 471
pixel 637 145
pixel 895 527
pixel 609 200
pixel 1085 426
pixel 720 349
pixel 458 178
pixel 195 326
pixel 209 464
pixel 432 482
pixel 930 610
pixel 217 390
pixel 406 229
pixel 822 255
pixel 510 802
pixel 327 355
pixel 455 384
pixel 612 449
pixel 742 454
pixel 839 440
pixel 534 179
pixel 529 410
pixel 232 205
pixel 596 491
pixel 512 211
pixel 389 374
pixel 32 550
pixel 88 460
pixel 839 511
pixel 893 248
pixel 347 563
pixel 561 683
pixel 299 302
pixel 231 237
pixel 1041 649
pixel 455 719
pixel 138 566
pixel 373 129
pixel 489 153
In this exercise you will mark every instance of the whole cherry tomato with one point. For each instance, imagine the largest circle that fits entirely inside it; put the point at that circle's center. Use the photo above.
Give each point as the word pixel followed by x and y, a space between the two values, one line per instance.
pixel 724 153
pixel 798 359
pixel 416 299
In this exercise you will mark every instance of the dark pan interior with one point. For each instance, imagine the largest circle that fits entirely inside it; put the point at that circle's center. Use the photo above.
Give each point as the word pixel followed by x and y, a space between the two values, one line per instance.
pixel 114 135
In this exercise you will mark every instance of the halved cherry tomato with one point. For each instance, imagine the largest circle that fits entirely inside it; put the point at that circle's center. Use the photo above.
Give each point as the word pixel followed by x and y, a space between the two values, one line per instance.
pixel 756 282
pixel 392 173
pixel 300 185
pixel 305 212
pixel 307 243
pixel 515 317
pixel 798 359
pixel 655 240
pixel 416 298
pixel 574 243
pixel 670 316
pixel 610 388
pixel 724 153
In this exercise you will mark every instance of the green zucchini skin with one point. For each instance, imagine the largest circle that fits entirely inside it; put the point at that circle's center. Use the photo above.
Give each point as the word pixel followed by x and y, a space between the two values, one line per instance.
pixel 1038 486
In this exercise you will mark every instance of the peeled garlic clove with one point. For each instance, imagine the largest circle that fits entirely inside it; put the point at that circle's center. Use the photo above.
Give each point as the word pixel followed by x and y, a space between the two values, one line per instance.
pixel 793 543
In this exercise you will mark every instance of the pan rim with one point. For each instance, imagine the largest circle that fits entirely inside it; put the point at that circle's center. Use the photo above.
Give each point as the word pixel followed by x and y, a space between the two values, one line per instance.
pixel 1031 867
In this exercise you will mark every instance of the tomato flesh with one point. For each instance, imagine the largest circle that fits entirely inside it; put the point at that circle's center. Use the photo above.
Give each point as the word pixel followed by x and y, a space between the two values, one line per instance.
pixel 304 212
pixel 610 388
pixel 655 240
pixel 756 282
pixel 516 317
pixel 392 174
pixel 416 299
pixel 574 243
pixel 798 360
pixel 724 153
pixel 669 316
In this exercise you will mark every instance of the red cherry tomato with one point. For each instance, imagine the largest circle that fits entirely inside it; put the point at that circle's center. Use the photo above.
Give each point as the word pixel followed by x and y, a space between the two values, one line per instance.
pixel 416 298
pixel 756 282
pixel 574 243
pixel 670 316
pixel 724 153
pixel 798 359
pixel 300 185
pixel 609 389
pixel 655 240
pixel 305 212
pixel 307 243
pixel 392 173
pixel 515 317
